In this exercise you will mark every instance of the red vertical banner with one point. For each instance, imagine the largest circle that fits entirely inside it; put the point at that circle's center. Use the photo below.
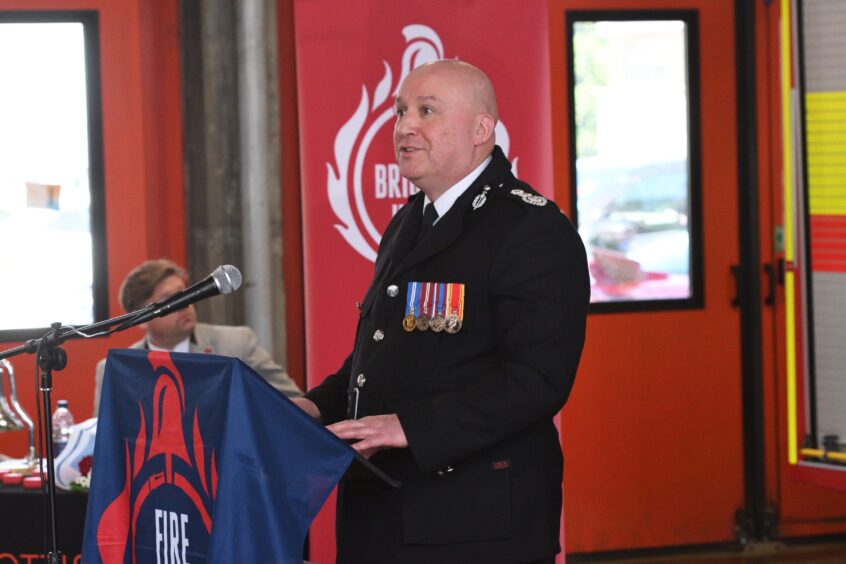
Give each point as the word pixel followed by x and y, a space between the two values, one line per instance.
pixel 351 58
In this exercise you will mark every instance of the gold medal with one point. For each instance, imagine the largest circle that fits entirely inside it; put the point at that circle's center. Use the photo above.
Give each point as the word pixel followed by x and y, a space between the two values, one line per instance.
pixel 422 322
pixel 409 322
pixel 437 324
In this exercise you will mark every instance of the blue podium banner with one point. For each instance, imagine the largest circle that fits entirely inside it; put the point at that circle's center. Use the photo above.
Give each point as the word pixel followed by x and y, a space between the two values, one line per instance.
pixel 198 459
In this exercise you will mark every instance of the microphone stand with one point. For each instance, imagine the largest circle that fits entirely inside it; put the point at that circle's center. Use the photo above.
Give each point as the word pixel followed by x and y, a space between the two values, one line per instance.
pixel 52 357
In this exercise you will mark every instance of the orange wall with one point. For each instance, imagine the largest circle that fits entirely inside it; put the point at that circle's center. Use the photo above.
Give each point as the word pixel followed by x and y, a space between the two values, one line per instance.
pixel 142 138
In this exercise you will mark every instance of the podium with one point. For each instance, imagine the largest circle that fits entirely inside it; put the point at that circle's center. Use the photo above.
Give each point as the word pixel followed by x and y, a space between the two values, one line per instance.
pixel 198 459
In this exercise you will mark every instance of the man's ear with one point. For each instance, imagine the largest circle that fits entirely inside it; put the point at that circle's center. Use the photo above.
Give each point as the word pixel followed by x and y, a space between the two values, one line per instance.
pixel 484 128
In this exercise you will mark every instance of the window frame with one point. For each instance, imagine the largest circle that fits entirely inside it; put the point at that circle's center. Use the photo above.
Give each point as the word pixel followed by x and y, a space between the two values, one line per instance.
pixel 696 300
pixel 91 38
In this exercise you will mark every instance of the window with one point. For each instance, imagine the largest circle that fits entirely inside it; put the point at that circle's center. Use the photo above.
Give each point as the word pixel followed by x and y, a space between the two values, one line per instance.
pixel 634 156
pixel 51 179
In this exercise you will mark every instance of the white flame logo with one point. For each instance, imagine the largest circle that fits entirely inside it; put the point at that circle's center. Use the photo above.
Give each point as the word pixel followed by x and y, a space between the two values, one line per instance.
pixel 423 46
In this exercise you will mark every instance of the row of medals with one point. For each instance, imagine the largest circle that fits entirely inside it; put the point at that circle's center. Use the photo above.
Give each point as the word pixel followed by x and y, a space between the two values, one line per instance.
pixel 451 324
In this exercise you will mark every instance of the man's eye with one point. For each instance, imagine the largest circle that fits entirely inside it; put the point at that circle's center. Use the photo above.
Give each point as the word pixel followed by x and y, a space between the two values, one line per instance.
pixel 427 110
pixel 400 112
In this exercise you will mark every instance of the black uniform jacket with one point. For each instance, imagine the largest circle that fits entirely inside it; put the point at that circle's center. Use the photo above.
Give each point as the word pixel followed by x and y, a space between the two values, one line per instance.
pixel 481 479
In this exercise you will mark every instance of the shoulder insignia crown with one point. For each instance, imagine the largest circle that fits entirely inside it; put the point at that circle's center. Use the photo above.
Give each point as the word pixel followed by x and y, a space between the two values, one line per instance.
pixel 529 198
pixel 522 193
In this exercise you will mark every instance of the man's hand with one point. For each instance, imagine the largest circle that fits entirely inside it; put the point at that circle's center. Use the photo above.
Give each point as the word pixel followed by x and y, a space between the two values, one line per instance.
pixel 375 432
pixel 308 406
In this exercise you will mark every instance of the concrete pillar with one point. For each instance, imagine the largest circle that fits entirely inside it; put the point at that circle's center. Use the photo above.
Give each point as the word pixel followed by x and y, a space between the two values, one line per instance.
pixel 233 210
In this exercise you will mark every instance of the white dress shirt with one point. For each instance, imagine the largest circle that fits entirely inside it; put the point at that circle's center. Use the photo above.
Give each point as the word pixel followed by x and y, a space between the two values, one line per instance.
pixel 448 198
pixel 182 346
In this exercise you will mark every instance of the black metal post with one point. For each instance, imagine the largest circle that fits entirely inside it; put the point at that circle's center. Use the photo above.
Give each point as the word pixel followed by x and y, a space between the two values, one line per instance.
pixel 754 522
pixel 50 357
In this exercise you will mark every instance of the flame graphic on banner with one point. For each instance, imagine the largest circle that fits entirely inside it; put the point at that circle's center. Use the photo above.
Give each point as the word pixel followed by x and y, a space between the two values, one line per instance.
pixel 167 438
pixel 422 46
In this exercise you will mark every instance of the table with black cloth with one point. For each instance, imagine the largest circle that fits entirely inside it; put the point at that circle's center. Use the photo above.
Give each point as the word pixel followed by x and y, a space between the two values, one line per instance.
pixel 22 524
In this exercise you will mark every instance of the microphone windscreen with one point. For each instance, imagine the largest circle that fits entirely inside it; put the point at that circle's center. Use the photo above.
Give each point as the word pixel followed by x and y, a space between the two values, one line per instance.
pixel 227 278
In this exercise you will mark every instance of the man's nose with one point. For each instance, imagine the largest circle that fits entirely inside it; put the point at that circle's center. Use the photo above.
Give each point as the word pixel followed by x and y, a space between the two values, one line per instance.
pixel 406 125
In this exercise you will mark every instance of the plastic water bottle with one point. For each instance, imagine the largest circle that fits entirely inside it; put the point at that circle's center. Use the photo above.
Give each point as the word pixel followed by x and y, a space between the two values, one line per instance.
pixel 62 423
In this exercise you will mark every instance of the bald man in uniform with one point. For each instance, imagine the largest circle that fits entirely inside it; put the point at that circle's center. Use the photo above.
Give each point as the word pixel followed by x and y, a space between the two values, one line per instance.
pixel 467 346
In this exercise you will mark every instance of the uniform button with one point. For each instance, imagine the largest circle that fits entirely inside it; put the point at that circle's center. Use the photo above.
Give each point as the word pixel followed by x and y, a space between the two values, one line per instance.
pixel 378 335
pixel 445 471
pixel 393 291
pixel 360 380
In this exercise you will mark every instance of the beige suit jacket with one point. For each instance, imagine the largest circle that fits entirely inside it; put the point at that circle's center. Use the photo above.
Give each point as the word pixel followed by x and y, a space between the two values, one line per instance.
pixel 225 340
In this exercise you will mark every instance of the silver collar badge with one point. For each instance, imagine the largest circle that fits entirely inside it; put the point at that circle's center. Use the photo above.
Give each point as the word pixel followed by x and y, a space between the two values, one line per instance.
pixel 480 199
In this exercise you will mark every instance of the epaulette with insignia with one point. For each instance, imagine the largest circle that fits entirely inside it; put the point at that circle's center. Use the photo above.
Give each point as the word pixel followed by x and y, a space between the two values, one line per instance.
pixel 522 192
pixel 529 198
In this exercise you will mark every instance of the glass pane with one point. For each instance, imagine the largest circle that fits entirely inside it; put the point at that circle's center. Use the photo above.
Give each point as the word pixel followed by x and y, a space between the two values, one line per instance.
pixel 44 177
pixel 632 157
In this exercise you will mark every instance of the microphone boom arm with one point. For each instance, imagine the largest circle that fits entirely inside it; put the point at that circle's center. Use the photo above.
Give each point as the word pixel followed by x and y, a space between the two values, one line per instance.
pixel 224 280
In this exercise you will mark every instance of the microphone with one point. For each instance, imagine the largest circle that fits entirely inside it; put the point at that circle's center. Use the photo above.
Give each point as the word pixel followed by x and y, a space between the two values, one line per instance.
pixel 224 280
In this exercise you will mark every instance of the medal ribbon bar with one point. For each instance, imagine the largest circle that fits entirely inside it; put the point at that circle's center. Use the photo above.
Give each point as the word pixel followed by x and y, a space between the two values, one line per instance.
pixel 409 322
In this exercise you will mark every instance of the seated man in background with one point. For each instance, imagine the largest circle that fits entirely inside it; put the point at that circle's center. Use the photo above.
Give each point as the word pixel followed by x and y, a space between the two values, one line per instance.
pixel 157 280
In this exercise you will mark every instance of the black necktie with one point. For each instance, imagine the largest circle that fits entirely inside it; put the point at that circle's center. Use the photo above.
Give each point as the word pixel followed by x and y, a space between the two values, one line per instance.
pixel 430 214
